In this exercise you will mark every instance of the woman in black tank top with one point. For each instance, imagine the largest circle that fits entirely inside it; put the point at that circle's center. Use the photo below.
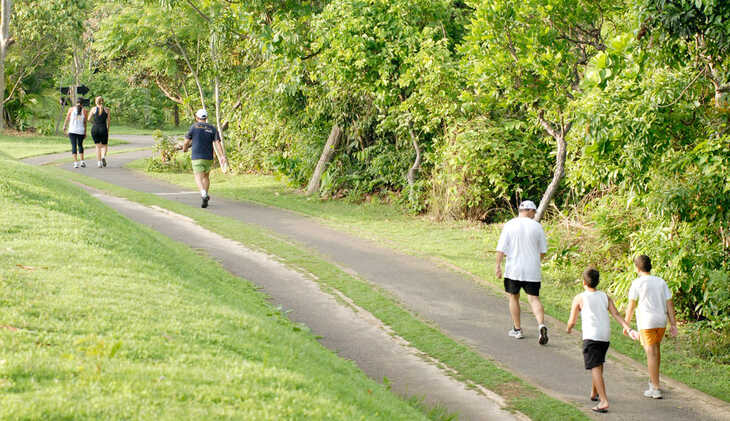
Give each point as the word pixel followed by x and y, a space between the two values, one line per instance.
pixel 99 117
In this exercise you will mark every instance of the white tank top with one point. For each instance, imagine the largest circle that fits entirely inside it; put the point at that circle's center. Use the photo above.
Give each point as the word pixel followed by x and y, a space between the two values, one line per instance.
pixel 76 122
pixel 594 316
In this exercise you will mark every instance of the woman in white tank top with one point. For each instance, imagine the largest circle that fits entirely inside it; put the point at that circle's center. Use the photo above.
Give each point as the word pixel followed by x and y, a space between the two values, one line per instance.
pixel 75 126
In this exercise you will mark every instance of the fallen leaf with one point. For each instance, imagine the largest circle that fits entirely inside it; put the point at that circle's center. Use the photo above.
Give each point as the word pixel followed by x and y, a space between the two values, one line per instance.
pixel 10 328
pixel 25 267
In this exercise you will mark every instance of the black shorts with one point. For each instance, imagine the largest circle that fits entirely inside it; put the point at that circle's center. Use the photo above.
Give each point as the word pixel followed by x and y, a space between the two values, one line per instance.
pixel 513 287
pixel 100 135
pixel 594 353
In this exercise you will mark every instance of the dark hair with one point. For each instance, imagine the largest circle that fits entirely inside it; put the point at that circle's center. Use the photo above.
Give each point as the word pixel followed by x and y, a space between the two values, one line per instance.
pixel 591 276
pixel 643 263
pixel 79 105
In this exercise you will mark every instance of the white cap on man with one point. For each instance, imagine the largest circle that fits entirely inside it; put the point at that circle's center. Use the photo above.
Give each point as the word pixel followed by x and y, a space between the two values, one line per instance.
pixel 201 114
pixel 527 205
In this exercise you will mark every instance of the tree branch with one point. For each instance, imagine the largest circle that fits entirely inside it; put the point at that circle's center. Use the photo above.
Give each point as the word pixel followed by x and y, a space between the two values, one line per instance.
pixel 166 92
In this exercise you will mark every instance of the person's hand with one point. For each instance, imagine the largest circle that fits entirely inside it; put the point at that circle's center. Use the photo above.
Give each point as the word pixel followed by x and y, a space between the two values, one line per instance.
pixel 673 331
pixel 499 272
pixel 569 329
pixel 224 165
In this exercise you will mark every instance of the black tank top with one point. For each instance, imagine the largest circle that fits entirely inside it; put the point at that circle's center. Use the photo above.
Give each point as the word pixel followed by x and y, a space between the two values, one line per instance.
pixel 99 119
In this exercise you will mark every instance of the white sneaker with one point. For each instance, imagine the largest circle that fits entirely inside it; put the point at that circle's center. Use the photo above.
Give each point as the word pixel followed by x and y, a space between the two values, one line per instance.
pixel 83 164
pixel 653 393
pixel 76 164
pixel 516 333
pixel 98 164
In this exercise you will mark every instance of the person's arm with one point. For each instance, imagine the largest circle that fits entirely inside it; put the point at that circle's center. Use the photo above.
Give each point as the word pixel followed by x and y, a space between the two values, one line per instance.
pixel 672 319
pixel 500 257
pixel 574 309
pixel 90 114
pixel 221 155
pixel 65 122
pixel 616 315
pixel 108 119
pixel 630 313
pixel 186 144
pixel 85 114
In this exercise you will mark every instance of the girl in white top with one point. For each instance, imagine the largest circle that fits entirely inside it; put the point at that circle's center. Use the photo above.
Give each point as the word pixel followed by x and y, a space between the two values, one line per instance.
pixel 75 126
pixel 594 307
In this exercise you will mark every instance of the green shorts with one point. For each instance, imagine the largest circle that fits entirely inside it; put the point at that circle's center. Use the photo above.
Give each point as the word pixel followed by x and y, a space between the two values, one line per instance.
pixel 202 165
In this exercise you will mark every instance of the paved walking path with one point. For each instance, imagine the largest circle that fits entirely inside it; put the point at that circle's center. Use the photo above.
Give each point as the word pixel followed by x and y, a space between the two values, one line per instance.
pixel 353 332
pixel 466 311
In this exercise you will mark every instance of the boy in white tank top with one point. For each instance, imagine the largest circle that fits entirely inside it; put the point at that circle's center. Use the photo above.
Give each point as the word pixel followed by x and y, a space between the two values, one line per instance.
pixel 594 307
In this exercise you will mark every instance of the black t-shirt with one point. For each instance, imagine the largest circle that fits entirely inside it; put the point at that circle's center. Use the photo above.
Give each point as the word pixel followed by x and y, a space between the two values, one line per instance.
pixel 203 135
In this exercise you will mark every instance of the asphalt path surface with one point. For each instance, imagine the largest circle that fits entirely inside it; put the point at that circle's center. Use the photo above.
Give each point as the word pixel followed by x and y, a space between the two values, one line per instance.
pixel 467 311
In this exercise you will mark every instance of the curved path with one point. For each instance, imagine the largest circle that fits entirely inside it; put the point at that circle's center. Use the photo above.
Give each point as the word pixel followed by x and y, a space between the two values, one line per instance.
pixel 472 313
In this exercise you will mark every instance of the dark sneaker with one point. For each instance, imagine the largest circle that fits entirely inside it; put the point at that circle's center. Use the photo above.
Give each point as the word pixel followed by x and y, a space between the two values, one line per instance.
pixel 205 202
pixel 103 161
pixel 543 335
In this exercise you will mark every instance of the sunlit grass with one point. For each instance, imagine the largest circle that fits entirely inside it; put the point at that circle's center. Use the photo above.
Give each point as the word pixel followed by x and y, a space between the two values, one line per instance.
pixel 468 246
pixel 104 319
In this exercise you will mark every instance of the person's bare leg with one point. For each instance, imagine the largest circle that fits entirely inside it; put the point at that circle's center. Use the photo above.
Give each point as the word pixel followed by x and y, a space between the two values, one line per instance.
pixel 98 151
pixel 599 386
pixel 653 358
pixel 74 155
pixel 537 308
pixel 202 180
pixel 105 150
pixel 514 309
pixel 594 392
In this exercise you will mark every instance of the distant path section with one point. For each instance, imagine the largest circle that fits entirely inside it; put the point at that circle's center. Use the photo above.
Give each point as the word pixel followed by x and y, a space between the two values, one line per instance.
pixel 472 313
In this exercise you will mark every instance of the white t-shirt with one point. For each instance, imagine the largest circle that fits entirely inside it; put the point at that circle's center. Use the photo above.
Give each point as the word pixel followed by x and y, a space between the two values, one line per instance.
pixel 594 319
pixel 522 241
pixel 652 294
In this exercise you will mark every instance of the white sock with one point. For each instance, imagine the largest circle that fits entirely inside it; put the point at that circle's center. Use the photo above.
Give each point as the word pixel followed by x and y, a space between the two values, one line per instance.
pixel 203 193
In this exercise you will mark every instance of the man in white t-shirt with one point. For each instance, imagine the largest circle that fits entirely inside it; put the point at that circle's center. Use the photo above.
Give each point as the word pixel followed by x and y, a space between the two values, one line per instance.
pixel 651 295
pixel 523 243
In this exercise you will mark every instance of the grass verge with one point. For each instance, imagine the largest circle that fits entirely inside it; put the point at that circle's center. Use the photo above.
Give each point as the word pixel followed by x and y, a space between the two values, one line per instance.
pixel 470 365
pixel 466 245
pixel 105 319
pixel 27 146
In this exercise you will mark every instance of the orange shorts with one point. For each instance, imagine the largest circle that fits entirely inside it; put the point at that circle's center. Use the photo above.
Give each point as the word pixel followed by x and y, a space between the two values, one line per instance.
pixel 651 336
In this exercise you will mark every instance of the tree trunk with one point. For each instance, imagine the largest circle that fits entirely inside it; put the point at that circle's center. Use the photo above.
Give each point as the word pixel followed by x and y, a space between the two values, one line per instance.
pixel 192 70
pixel 176 114
pixel 329 150
pixel 559 136
pixel 411 177
pixel 216 85
pixel 5 42
pixel 60 115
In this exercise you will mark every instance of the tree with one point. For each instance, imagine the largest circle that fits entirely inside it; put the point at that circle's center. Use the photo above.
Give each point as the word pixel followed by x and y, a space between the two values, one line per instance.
pixel 530 57
pixel 698 30
pixel 5 42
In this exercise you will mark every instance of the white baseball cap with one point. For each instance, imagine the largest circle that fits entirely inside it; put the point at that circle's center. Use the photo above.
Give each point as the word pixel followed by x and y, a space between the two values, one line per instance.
pixel 527 205
pixel 201 114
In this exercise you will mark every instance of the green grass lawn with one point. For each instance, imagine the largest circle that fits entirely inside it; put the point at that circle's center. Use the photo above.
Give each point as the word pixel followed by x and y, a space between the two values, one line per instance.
pixel 465 245
pixel 26 146
pixel 169 130
pixel 469 365
pixel 104 319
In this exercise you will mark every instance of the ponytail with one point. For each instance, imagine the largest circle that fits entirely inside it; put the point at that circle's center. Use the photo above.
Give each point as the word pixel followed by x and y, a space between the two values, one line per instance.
pixel 78 108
